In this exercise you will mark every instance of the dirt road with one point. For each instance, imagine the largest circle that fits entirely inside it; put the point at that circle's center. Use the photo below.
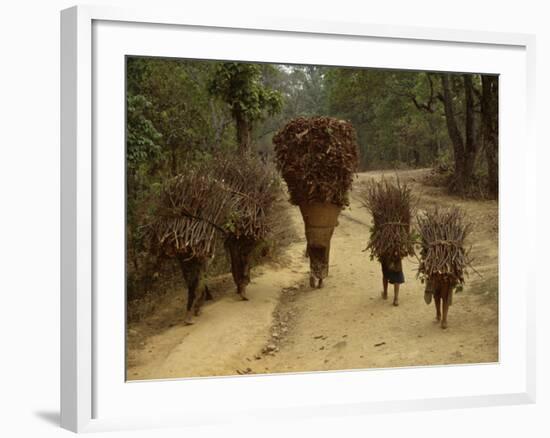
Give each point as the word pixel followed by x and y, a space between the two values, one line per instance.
pixel 288 327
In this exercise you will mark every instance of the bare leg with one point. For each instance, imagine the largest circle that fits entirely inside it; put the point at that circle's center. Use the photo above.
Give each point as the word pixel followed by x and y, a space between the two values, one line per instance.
pixel 445 307
pixel 200 294
pixel 190 306
pixel 396 294
pixel 239 252
pixel 199 301
pixel 191 302
pixel 318 263
pixel 192 270
pixel 437 301
pixel 207 295
pixel 385 290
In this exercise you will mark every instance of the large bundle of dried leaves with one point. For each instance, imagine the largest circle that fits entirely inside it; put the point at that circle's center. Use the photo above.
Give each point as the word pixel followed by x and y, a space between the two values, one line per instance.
pixel 253 186
pixel 443 233
pixel 317 158
pixel 391 206
pixel 186 217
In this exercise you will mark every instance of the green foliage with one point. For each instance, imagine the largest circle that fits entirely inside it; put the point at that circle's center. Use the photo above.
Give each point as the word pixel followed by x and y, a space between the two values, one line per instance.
pixel 381 105
pixel 142 137
pixel 239 85
pixel 181 108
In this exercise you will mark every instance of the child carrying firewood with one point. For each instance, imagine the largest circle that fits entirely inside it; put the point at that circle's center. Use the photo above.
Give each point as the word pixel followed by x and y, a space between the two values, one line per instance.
pixel 392 272
pixel 391 240
pixel 443 258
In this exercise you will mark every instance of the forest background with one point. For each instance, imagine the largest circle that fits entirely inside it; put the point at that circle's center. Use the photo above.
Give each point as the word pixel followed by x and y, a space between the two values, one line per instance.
pixel 181 112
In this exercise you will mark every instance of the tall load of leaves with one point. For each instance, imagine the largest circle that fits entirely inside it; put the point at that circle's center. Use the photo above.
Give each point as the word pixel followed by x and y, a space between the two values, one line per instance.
pixel 317 157
pixel 443 255
pixel 254 188
pixel 391 206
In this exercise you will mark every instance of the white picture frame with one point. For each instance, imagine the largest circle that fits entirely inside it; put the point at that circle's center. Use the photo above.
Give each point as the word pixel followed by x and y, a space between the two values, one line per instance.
pixel 86 376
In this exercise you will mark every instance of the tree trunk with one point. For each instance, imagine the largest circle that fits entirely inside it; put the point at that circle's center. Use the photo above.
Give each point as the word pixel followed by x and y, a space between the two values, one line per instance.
pixel 454 134
pixel 173 159
pixel 470 146
pixel 465 150
pixel 489 120
pixel 243 132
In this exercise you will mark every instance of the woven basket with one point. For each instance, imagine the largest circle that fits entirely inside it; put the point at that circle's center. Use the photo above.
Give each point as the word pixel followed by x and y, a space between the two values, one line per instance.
pixel 319 220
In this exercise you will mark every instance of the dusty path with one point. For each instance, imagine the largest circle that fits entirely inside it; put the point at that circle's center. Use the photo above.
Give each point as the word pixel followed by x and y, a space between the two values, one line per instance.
pixel 288 327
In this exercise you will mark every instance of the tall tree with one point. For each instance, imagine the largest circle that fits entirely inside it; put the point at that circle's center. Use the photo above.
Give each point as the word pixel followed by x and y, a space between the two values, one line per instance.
pixel 489 120
pixel 464 146
pixel 240 86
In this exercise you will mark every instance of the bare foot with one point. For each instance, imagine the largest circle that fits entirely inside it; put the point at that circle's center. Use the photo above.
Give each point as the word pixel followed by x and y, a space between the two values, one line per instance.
pixel 384 295
pixel 243 296
pixel 241 291
pixel 188 319
pixel 443 324
pixel 320 283
pixel 312 281
pixel 395 303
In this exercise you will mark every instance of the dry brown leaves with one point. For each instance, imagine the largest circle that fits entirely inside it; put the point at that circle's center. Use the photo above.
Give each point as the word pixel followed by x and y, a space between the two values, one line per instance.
pixel 317 158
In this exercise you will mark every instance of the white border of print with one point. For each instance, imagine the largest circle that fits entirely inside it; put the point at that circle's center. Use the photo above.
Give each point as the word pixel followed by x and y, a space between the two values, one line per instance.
pixel 94 394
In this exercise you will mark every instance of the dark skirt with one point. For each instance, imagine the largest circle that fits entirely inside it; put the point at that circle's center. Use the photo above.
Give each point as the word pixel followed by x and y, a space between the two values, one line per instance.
pixel 393 272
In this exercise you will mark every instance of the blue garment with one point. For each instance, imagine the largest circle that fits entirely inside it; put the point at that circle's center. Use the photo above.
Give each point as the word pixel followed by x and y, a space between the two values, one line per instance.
pixel 393 271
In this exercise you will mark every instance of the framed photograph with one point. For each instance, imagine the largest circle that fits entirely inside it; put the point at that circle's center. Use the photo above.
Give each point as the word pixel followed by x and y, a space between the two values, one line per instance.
pixel 282 219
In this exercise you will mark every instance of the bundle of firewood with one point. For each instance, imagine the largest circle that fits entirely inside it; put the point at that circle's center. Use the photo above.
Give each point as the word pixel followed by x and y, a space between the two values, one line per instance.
pixel 391 206
pixel 317 158
pixel 253 187
pixel 443 255
pixel 187 215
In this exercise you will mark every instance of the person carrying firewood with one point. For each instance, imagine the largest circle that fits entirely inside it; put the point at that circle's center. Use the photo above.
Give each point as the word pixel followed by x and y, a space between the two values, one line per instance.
pixel 392 272
pixel 182 226
pixel 390 240
pixel 444 259
pixel 318 158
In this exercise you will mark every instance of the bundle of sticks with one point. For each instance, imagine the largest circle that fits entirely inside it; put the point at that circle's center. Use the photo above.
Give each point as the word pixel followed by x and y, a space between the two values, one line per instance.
pixel 391 206
pixel 187 215
pixel 253 187
pixel 443 255
pixel 317 158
